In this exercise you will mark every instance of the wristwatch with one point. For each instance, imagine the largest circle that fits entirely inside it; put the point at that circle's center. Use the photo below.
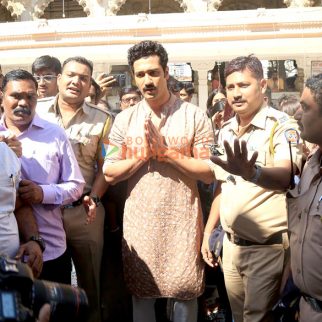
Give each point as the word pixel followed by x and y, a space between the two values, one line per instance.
pixel 258 172
pixel 96 199
pixel 39 240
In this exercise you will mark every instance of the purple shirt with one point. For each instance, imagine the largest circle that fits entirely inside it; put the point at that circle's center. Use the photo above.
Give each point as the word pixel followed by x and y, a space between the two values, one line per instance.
pixel 49 161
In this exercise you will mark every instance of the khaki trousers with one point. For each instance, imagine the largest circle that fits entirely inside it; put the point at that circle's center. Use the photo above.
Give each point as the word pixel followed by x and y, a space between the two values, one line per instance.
pixel 252 277
pixel 85 243
pixel 307 314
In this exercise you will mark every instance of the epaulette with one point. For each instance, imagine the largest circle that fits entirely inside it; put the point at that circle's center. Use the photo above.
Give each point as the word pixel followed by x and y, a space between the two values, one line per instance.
pixel 91 105
pixel 281 118
pixel 227 122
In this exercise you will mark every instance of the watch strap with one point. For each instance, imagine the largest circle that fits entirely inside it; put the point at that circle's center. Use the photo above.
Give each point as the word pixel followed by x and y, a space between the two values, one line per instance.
pixel 96 199
pixel 39 240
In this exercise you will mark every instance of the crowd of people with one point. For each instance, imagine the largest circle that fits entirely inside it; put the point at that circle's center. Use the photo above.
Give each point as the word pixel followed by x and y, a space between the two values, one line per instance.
pixel 73 171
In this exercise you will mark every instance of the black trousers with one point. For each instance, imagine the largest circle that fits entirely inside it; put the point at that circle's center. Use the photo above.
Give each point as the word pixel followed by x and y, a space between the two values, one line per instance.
pixel 58 270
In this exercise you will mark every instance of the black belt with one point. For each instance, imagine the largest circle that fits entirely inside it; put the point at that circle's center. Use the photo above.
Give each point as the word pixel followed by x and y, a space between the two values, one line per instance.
pixel 275 239
pixel 76 203
pixel 316 305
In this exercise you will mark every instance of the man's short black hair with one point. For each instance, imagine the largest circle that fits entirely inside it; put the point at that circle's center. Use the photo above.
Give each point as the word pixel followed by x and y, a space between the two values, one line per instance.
pixel 189 88
pixel 174 85
pixel 147 48
pixel 80 60
pixel 17 75
pixel 128 90
pixel 314 83
pixel 239 64
pixel 46 62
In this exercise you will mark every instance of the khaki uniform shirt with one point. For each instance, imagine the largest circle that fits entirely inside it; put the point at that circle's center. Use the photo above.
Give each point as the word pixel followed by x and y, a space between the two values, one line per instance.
pixel 88 133
pixel 246 209
pixel 305 226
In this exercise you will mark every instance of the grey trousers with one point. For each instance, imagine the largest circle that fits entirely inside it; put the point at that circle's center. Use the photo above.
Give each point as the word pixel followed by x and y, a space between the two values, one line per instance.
pixel 182 311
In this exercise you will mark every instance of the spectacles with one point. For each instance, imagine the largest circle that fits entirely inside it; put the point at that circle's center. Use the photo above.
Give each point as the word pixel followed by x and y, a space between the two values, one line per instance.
pixel 45 78
pixel 128 100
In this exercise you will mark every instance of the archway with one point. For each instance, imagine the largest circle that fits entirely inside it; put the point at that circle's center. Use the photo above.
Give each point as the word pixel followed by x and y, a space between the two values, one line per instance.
pixel 5 15
pixel 55 10
pixel 251 4
pixel 157 6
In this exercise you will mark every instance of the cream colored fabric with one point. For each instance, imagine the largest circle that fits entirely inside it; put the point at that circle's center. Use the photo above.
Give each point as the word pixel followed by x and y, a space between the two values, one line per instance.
pixel 252 212
pixel 162 217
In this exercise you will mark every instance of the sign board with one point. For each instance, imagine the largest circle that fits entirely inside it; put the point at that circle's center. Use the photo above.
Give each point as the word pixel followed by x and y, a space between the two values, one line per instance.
pixel 181 71
pixel 316 67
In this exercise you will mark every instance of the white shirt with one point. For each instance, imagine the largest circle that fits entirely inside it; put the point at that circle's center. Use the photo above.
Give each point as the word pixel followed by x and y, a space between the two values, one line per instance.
pixel 9 178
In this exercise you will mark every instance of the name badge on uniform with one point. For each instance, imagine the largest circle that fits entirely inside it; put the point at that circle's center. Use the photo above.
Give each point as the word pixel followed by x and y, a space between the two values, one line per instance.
pixel 292 136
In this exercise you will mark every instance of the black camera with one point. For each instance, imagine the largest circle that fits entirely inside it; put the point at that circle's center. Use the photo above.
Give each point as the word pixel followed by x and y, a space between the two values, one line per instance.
pixel 120 80
pixel 217 107
pixel 22 296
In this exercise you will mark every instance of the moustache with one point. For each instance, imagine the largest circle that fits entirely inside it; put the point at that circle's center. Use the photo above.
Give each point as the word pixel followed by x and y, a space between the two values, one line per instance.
pixel 149 88
pixel 21 110
pixel 238 102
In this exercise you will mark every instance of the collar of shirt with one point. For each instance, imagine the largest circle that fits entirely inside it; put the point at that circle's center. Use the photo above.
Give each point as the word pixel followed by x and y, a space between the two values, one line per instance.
pixel 314 159
pixel 166 108
pixel 36 121
pixel 54 108
pixel 259 120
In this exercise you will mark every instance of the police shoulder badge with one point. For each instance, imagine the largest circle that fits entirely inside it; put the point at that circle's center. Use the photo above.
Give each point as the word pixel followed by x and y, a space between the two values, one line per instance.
pixel 292 136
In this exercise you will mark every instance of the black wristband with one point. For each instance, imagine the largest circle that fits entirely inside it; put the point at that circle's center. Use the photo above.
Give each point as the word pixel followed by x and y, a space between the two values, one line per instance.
pixel 255 177
pixel 39 240
pixel 96 199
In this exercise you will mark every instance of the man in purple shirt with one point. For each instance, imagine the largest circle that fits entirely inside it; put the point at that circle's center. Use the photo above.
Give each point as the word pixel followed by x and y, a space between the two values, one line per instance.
pixel 50 173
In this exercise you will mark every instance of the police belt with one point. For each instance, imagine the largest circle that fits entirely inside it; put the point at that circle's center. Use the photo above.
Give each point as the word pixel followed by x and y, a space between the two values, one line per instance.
pixel 75 203
pixel 275 239
pixel 315 304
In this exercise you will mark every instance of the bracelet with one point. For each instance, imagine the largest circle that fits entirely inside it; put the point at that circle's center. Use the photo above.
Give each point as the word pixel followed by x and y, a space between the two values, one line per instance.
pixel 255 177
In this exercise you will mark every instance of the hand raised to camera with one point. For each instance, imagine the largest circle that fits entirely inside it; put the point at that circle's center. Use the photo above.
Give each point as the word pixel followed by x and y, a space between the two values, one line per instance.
pixel 105 82
pixel 237 160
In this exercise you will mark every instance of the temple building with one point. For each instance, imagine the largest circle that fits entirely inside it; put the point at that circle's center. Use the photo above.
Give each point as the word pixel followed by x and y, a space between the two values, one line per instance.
pixel 199 35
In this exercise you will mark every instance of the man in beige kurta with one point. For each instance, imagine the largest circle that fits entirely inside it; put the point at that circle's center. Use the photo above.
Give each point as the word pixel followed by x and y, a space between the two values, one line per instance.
pixel 160 145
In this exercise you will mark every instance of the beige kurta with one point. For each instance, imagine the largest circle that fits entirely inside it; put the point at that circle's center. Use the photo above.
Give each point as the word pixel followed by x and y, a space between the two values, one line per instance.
pixel 162 217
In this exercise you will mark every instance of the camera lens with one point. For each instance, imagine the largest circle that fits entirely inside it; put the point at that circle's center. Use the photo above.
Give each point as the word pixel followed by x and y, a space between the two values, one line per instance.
pixel 67 303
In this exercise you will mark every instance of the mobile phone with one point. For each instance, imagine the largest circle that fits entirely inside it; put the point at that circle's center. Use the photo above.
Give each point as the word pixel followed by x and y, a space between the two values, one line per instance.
pixel 120 80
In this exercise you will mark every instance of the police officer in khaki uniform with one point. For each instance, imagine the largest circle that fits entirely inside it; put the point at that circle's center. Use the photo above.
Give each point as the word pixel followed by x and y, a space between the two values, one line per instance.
pixel 87 128
pixel 254 172
pixel 305 208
